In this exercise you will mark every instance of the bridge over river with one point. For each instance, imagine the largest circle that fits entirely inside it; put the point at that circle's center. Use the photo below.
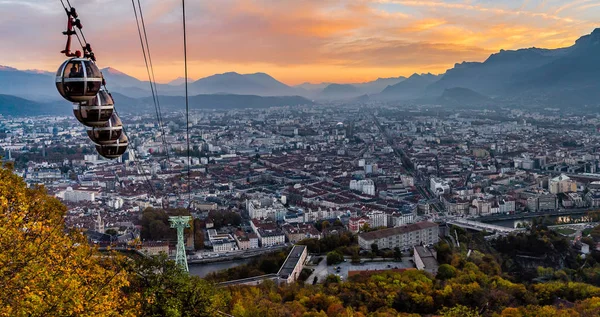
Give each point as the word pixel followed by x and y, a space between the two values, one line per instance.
pixel 480 226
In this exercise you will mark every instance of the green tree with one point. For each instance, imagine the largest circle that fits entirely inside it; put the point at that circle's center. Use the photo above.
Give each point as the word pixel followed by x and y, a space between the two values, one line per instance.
pixel 167 290
pixel 111 232
pixel 445 272
pixel 387 254
pixel 397 253
pixel 355 258
pixel 334 257
pixel 375 248
pixel 444 252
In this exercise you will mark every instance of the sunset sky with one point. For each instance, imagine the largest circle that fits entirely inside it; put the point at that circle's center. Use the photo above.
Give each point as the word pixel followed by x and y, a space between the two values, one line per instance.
pixel 295 41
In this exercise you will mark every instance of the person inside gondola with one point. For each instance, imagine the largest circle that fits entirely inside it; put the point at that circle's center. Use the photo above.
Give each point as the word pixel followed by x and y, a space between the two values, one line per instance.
pixel 76 71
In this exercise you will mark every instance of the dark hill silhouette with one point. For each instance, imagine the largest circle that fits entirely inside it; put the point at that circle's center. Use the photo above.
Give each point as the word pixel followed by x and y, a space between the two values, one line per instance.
pixel 16 107
pixel 339 91
pixel 213 101
pixel 411 88
pixel 463 98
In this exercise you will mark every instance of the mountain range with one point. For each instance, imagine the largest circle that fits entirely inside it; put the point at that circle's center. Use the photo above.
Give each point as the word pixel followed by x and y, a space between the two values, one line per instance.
pixel 126 104
pixel 344 91
pixel 562 77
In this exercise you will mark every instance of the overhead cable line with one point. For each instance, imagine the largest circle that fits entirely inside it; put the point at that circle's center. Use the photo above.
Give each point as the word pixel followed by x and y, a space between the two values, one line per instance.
pixel 150 70
pixel 187 107
pixel 85 47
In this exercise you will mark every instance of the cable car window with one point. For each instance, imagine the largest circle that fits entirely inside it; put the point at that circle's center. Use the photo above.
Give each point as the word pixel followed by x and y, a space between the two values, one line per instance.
pixel 74 88
pixel 93 87
pixel 105 114
pixel 74 70
pixel 92 70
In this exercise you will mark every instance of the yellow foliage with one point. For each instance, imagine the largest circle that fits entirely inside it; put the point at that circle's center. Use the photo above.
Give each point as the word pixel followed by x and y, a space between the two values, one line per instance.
pixel 47 271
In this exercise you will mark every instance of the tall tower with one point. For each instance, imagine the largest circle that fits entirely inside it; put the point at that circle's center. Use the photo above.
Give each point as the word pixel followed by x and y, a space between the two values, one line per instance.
pixel 180 223
pixel 99 224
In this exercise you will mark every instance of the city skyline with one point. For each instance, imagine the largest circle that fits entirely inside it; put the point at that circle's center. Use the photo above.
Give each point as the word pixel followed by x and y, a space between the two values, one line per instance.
pixel 315 41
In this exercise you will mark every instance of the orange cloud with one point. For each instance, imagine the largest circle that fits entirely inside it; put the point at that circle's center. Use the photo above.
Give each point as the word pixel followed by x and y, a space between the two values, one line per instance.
pixel 295 41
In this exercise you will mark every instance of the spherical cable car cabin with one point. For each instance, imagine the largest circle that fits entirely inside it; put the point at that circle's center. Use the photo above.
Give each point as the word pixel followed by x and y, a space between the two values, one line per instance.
pixel 114 149
pixel 78 79
pixel 96 111
pixel 108 132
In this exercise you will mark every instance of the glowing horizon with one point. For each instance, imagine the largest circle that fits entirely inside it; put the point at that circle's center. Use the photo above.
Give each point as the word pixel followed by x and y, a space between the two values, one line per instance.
pixel 295 42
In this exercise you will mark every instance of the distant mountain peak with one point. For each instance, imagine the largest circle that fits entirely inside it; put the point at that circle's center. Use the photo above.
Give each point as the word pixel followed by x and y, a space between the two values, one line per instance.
pixel 7 68
pixel 380 79
pixel 179 81
pixel 590 39
pixel 422 75
pixel 113 71
pixel 38 71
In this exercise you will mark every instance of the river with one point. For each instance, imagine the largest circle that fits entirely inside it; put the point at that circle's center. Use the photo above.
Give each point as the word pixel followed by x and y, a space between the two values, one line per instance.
pixel 204 269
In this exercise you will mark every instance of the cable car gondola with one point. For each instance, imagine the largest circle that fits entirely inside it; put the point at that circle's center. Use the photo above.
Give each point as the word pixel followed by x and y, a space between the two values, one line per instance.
pixel 108 132
pixel 114 149
pixel 95 112
pixel 78 79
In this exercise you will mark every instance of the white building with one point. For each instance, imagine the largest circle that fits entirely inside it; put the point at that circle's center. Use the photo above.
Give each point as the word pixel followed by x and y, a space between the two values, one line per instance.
pixel 266 208
pixel 377 219
pixel 224 246
pixel 221 242
pixel 365 186
pixel 90 158
pixel 80 194
pixel 293 265
pixel 267 232
pixel 246 241
pixel 269 238
pixel 439 186
pixel 507 206
pixel 115 202
pixel 402 218
pixel 403 237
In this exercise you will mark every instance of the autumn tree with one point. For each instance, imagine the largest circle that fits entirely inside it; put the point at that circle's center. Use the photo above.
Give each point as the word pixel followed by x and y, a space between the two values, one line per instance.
pixel 459 311
pixel 47 270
